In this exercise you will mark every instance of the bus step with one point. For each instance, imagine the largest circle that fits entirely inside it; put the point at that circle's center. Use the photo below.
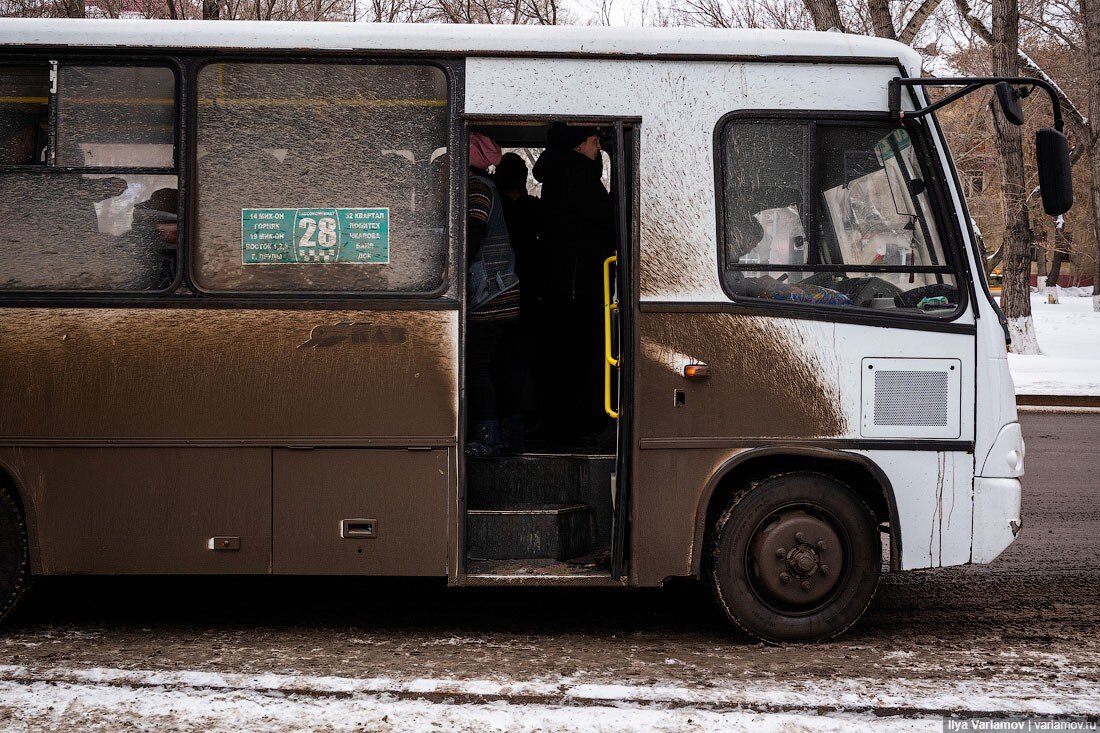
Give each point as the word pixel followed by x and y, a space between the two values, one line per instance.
pixel 536 478
pixel 529 531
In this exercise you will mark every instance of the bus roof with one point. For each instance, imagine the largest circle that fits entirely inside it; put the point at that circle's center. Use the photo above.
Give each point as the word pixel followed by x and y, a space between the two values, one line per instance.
pixel 451 39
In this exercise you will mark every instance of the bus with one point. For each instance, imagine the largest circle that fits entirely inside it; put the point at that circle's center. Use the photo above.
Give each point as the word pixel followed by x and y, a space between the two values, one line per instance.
pixel 233 275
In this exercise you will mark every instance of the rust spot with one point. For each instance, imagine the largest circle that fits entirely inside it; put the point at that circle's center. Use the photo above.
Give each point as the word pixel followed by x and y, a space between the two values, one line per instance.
pixel 764 382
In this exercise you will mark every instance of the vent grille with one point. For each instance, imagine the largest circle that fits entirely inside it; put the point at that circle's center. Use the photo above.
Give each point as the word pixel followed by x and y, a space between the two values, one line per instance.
pixel 914 398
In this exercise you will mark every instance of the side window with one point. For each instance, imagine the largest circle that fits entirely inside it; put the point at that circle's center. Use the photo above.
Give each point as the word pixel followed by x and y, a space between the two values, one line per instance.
pixel 834 214
pixel 321 177
pixel 92 208
pixel 24 114
pixel 110 116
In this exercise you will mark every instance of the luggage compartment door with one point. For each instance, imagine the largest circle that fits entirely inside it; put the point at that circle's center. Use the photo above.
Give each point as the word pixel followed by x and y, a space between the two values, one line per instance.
pixel 360 511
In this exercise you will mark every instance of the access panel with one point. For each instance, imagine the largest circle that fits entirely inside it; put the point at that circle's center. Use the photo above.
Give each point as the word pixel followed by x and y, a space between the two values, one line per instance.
pixel 360 511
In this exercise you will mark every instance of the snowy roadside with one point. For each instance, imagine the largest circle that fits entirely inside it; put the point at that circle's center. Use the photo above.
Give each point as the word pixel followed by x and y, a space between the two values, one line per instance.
pixel 1069 337
pixel 112 699
pixel 109 709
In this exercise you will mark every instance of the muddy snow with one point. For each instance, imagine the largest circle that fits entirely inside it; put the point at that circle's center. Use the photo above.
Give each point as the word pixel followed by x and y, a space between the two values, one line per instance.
pixel 1017 637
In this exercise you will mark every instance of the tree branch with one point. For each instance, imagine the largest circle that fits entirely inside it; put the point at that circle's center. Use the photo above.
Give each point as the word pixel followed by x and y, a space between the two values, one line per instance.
pixel 912 28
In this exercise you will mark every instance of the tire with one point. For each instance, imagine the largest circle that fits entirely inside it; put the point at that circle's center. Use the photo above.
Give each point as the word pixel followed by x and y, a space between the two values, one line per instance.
pixel 796 558
pixel 14 562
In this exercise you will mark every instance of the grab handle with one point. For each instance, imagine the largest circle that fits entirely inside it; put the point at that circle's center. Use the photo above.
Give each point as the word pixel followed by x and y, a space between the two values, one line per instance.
pixel 609 359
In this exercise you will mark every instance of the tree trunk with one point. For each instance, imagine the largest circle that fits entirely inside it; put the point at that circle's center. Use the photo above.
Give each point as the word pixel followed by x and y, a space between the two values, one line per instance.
pixel 825 13
pixel 71 8
pixel 881 20
pixel 1090 11
pixel 1016 294
pixel 1062 244
pixel 211 9
pixel 912 28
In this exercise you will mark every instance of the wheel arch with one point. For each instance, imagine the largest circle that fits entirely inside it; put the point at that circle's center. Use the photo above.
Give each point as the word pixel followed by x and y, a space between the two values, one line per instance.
pixel 857 471
pixel 12 482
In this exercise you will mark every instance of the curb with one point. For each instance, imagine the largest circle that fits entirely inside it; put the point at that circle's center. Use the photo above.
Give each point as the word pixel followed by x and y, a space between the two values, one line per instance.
pixel 1041 400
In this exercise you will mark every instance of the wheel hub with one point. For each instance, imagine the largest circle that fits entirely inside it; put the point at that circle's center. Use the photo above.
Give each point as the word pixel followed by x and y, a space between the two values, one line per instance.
pixel 797 558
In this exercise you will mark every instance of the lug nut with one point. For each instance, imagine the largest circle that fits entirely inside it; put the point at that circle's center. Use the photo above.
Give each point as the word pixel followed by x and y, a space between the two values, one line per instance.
pixel 821 545
pixel 799 536
pixel 806 585
pixel 780 553
pixel 824 569
pixel 784 578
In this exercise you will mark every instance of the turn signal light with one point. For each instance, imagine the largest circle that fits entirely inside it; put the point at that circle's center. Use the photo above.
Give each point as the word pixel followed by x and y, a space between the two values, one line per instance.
pixel 696 371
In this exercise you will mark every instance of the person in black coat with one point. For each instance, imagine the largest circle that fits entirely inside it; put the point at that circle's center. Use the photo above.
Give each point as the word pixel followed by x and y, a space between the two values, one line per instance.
pixel 578 235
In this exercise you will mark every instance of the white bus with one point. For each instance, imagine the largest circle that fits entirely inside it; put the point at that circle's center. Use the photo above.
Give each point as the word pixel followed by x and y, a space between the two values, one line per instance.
pixel 233 267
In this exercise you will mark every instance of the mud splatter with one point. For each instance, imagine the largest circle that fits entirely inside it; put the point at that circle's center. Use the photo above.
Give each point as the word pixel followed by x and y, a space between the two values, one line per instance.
pixel 765 381
pixel 208 374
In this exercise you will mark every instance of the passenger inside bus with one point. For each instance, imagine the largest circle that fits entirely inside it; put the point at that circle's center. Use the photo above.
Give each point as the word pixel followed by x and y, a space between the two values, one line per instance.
pixel 543 500
pixel 493 370
pixel 550 357
pixel 578 235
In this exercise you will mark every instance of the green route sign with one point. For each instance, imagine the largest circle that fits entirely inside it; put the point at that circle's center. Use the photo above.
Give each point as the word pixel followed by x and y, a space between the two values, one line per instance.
pixel 315 236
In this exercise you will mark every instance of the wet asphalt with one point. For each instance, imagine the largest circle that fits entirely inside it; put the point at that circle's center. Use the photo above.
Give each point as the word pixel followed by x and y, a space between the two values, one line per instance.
pixel 1034 614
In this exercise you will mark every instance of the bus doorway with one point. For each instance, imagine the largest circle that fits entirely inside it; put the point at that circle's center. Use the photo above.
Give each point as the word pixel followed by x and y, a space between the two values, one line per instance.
pixel 545 458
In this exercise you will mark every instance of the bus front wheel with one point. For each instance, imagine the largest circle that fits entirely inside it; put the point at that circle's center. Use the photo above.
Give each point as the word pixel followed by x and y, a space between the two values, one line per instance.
pixel 14 572
pixel 795 558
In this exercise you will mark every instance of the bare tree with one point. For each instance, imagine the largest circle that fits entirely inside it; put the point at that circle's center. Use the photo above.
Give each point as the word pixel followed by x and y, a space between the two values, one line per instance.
pixel 881 19
pixel 69 9
pixel 1018 239
pixel 825 14
pixel 1090 10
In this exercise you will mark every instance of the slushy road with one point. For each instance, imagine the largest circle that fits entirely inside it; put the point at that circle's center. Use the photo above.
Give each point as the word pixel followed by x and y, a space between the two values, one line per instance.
pixel 1017 636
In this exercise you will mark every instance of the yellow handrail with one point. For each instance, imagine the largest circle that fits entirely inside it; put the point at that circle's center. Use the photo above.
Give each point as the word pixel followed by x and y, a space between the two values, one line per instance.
pixel 609 359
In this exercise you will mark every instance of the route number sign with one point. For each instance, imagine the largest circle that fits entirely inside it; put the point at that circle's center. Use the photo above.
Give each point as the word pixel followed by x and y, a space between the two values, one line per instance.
pixel 318 236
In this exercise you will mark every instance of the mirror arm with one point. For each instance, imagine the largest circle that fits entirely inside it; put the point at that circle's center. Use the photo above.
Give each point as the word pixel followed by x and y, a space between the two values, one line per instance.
pixel 969 84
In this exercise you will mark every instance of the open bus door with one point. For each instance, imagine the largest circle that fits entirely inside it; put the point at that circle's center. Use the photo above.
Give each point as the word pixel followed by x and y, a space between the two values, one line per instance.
pixel 620 299
pixel 558 509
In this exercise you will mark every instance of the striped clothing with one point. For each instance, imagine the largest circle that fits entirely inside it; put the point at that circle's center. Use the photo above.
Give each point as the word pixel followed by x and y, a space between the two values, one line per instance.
pixel 492 288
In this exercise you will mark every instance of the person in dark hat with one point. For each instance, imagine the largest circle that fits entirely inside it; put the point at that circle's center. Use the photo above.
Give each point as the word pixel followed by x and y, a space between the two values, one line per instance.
pixel 578 235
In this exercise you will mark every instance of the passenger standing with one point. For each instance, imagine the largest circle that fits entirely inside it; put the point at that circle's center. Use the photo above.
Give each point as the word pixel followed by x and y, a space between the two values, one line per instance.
pixel 492 299
pixel 578 237
pixel 523 214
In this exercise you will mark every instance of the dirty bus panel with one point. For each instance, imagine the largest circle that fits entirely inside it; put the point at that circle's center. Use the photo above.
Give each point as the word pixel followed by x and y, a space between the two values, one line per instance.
pixel 803 357
pixel 237 378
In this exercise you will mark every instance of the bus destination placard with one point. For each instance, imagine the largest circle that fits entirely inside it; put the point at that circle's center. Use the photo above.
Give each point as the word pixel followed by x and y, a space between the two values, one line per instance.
pixel 315 236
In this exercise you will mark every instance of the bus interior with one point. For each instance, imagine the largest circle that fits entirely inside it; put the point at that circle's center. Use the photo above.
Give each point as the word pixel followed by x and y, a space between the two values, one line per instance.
pixel 550 510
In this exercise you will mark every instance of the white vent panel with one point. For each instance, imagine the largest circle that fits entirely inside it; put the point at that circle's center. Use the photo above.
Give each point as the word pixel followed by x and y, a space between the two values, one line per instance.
pixel 911 398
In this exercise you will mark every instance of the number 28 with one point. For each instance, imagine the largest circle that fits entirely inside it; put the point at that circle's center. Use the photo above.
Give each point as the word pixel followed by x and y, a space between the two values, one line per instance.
pixel 325 228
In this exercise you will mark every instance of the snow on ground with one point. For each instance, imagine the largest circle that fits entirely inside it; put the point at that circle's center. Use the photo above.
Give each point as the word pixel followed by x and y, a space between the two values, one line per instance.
pixel 91 710
pixel 1069 337
pixel 94 699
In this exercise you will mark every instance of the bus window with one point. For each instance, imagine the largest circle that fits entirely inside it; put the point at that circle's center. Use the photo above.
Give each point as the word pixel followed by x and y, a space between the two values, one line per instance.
pixel 350 203
pixel 82 230
pixel 24 114
pixel 871 213
pixel 111 116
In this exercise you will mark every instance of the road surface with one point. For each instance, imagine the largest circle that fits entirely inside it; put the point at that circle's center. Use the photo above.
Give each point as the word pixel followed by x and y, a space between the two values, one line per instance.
pixel 1015 637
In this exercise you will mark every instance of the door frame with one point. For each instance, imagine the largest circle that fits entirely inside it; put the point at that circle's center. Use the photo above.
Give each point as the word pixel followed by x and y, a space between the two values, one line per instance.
pixel 627 177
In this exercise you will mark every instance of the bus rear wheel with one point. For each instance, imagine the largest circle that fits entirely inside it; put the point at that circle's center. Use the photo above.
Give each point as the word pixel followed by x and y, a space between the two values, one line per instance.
pixel 14 563
pixel 796 558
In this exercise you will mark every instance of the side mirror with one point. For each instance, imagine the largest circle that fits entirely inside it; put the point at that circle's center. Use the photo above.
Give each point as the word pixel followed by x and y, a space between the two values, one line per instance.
pixel 1010 103
pixel 1055 173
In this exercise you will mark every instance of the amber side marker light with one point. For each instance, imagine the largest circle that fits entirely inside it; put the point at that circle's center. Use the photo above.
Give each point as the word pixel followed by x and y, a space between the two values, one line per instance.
pixel 696 371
